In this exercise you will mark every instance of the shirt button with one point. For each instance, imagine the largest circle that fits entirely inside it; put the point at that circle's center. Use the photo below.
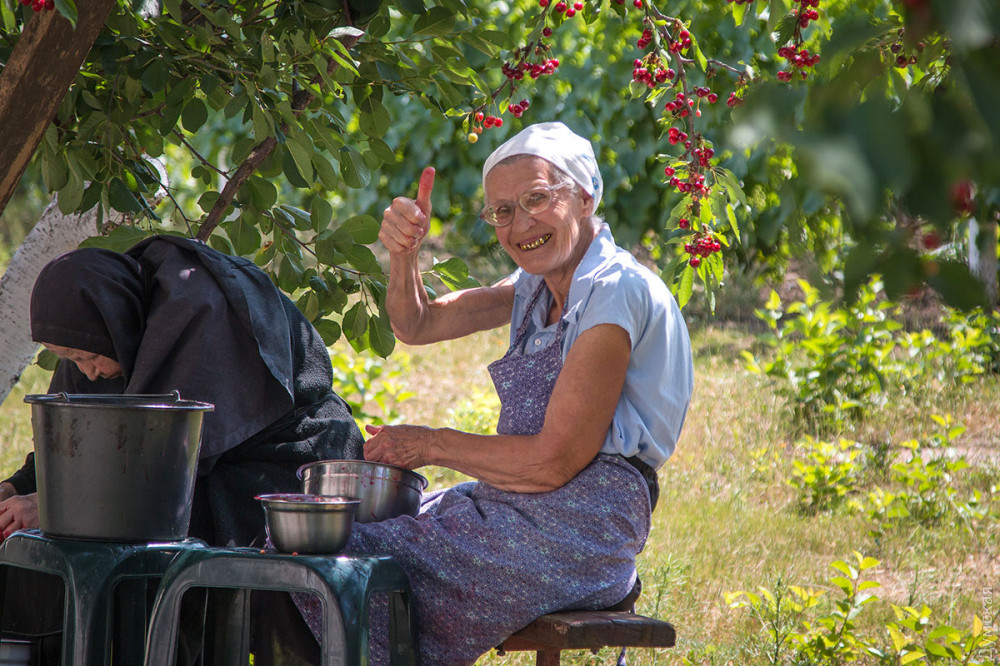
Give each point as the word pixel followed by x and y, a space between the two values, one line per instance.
pixel 537 341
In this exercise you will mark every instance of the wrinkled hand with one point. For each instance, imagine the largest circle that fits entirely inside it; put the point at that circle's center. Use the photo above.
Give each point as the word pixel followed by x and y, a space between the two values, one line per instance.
pixel 403 446
pixel 17 513
pixel 406 221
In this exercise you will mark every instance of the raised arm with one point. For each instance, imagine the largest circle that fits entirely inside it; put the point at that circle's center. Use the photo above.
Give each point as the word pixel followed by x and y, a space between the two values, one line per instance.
pixel 576 424
pixel 414 318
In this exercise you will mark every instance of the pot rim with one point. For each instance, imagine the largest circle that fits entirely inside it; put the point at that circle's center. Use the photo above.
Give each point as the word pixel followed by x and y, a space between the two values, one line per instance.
pixel 379 469
pixel 167 401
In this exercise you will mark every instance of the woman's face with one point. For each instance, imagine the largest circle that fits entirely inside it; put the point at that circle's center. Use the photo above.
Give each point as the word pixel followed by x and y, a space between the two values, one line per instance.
pixel 552 242
pixel 93 365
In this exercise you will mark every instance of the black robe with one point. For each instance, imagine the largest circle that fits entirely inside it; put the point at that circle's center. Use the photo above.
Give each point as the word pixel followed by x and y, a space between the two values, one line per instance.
pixel 178 315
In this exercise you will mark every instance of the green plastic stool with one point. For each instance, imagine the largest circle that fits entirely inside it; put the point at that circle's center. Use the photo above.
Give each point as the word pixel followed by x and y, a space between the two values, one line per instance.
pixel 344 585
pixel 95 574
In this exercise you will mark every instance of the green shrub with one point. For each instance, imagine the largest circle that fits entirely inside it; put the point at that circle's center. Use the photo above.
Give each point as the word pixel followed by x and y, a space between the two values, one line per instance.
pixel 837 364
pixel 369 383
pixel 800 629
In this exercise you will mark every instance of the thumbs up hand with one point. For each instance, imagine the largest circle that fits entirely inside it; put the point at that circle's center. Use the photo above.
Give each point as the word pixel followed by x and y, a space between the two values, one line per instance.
pixel 406 221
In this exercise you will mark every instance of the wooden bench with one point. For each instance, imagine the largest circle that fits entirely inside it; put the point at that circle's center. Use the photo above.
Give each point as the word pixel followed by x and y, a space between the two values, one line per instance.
pixel 550 634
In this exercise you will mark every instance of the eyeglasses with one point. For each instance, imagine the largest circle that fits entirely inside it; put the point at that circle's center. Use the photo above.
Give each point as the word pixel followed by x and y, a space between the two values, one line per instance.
pixel 533 201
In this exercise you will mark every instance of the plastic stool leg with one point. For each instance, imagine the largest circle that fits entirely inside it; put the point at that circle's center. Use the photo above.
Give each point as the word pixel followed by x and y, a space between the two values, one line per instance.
pixel 343 584
pixel 91 571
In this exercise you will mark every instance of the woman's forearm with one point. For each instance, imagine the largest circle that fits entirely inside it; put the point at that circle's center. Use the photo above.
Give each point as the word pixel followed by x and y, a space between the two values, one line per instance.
pixel 516 463
pixel 406 300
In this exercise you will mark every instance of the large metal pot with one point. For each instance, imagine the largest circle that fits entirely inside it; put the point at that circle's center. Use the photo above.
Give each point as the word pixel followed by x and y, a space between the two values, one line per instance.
pixel 385 491
pixel 116 467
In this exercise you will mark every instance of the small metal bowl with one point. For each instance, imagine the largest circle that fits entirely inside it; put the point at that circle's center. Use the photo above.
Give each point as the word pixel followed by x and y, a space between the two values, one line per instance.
pixel 308 524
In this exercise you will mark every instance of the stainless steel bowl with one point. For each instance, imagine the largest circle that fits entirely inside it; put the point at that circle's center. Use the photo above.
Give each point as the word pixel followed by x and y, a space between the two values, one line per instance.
pixel 385 491
pixel 300 523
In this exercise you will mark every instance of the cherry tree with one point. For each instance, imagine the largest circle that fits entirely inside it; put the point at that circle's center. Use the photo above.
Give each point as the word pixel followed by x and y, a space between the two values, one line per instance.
pixel 733 131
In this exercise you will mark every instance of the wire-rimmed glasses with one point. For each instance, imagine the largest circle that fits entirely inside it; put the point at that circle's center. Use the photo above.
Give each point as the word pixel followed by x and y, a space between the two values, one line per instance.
pixel 533 201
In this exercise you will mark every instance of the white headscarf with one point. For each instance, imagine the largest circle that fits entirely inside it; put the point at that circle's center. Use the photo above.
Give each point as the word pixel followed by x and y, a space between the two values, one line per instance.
pixel 555 143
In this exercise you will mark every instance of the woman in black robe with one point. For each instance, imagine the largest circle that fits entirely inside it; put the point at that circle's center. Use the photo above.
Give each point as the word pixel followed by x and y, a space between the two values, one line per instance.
pixel 178 315
pixel 173 314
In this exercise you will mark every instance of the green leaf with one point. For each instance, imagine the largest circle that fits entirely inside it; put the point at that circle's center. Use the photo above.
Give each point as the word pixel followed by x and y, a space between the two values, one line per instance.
pixel 244 235
pixel 67 8
pixel 686 286
pixel 355 321
pixel 325 171
pixel 71 195
pixel 121 198
pixel 263 193
pixel 155 77
pixel 412 6
pixel 301 149
pixel 195 114
pixel 328 330
pixel 320 213
pixel 438 21
pixel 374 119
pixel 7 14
pixel 353 168
pixel 739 14
pixel 363 229
pixel 380 337
pixel 363 259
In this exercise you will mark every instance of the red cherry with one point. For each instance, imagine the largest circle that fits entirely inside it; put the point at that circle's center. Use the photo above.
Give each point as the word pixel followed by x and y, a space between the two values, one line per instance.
pixel 931 241
pixel 695 262
pixel 683 223
pixel 546 32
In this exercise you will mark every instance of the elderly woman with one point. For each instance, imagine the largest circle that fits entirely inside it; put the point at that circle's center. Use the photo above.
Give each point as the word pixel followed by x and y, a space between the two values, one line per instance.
pixel 173 314
pixel 593 391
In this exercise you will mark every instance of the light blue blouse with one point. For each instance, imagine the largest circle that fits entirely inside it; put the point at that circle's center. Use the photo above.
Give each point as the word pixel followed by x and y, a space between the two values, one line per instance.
pixel 611 287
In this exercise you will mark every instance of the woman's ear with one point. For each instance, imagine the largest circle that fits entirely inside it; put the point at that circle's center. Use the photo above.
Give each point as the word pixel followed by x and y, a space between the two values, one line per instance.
pixel 588 204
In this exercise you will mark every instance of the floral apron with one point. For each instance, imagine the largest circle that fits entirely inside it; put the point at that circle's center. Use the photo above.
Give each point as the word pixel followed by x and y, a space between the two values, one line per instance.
pixel 484 562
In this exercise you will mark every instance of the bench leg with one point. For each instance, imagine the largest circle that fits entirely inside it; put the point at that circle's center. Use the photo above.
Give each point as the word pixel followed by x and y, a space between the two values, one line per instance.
pixel 547 658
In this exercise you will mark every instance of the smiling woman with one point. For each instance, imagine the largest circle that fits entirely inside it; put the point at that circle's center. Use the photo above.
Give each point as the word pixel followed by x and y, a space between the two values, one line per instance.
pixel 593 389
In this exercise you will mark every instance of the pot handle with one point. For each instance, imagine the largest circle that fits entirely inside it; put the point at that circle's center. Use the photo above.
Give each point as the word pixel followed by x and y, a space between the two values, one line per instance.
pixel 173 396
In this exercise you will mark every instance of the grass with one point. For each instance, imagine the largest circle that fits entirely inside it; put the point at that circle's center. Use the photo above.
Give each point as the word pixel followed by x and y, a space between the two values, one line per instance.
pixel 728 520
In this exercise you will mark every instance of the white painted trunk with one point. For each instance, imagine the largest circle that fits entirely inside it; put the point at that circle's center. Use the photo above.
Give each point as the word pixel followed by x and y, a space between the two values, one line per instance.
pixel 53 235
pixel 983 264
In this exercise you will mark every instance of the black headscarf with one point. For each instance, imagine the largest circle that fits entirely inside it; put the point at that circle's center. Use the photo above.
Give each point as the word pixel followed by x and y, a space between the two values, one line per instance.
pixel 93 300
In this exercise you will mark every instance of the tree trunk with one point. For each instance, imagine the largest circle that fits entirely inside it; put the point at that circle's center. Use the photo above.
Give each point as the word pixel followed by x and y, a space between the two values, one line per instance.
pixel 983 256
pixel 54 234
pixel 40 70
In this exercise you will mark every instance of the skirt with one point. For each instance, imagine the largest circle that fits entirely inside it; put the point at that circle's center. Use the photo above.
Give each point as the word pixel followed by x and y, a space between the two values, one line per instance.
pixel 483 562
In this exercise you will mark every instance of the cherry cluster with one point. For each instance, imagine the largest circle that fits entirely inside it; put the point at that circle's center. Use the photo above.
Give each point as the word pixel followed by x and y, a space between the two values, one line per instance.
pixel 563 8
pixel 733 100
pixel 650 70
pixel 39 5
pixel 702 245
pixel 807 12
pixel 693 184
pixel 534 70
pixel 963 197
pixel 900 59
pixel 646 39
pixel 798 58
pixel 682 43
